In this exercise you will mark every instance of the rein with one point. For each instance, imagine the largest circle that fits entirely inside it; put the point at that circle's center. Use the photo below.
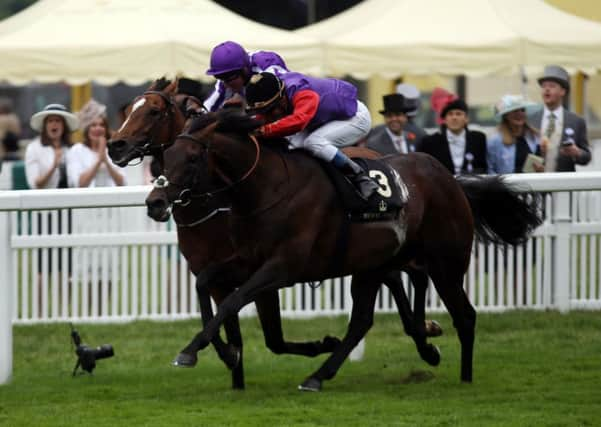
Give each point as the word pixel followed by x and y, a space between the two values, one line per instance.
pixel 187 194
pixel 150 148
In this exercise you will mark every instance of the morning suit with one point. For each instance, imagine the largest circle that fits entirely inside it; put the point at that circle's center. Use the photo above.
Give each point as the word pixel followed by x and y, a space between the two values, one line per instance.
pixel 379 140
pixel 574 127
pixel 474 158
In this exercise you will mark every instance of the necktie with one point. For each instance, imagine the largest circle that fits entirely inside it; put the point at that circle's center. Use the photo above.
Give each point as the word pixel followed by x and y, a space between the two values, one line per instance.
pixel 550 126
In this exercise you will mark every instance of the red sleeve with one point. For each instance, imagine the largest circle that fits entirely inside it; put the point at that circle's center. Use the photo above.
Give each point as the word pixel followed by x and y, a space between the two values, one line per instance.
pixel 304 105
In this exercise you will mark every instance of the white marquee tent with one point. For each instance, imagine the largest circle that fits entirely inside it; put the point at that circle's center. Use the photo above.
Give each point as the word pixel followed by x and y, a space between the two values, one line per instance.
pixel 472 37
pixel 133 40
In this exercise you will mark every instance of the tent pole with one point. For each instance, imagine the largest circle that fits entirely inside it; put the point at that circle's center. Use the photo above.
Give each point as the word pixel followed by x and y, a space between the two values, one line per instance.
pixel 376 88
pixel 80 94
pixel 579 93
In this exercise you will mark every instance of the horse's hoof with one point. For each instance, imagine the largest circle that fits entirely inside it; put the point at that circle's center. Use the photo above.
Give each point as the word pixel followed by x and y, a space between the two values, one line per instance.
pixel 233 359
pixel 330 343
pixel 433 328
pixel 185 360
pixel 431 355
pixel 310 384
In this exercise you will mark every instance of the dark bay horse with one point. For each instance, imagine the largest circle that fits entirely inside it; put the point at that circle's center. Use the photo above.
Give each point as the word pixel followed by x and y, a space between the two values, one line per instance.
pixel 152 123
pixel 286 218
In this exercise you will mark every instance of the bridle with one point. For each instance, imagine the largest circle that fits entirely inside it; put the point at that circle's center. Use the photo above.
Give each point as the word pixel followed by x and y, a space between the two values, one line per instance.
pixel 150 147
pixel 187 194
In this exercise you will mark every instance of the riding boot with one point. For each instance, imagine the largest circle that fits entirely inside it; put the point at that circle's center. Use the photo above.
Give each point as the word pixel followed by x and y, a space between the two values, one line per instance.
pixel 365 185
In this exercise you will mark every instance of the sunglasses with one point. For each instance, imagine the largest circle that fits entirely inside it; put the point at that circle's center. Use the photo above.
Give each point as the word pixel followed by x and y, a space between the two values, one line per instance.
pixel 228 77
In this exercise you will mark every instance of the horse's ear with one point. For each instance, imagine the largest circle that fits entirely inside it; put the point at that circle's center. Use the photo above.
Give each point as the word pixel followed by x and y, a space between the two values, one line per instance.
pixel 172 87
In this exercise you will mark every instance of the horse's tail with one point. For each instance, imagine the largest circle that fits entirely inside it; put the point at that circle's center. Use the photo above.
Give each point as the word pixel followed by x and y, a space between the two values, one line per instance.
pixel 502 213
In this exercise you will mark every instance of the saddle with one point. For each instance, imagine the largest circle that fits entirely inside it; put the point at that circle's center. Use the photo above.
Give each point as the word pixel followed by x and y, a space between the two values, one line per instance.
pixel 383 205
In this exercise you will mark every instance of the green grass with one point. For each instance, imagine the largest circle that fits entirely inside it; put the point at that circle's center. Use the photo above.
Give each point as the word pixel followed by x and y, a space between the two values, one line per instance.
pixel 530 369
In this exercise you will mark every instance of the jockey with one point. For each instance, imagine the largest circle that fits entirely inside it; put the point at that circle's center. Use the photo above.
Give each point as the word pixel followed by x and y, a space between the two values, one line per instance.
pixel 232 66
pixel 318 115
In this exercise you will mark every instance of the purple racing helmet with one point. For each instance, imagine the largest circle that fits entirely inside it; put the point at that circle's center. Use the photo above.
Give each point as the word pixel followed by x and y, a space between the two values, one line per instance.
pixel 228 56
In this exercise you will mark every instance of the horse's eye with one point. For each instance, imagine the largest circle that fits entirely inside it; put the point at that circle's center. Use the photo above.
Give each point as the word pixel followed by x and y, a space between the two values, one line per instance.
pixel 154 112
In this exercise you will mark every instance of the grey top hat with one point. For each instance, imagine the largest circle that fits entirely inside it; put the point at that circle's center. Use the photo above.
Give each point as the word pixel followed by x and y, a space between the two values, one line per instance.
pixel 556 74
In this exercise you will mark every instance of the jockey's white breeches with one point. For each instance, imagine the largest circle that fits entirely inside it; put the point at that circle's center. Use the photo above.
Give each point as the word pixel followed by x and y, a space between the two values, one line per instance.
pixel 324 141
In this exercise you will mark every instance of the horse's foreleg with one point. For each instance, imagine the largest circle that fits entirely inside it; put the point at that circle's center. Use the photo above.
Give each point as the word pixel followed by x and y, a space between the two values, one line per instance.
pixel 270 276
pixel 227 353
pixel 268 310
pixel 364 294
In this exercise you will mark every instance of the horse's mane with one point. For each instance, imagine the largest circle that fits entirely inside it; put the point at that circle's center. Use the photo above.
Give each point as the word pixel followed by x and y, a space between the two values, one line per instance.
pixel 235 121
pixel 160 84
pixel 201 122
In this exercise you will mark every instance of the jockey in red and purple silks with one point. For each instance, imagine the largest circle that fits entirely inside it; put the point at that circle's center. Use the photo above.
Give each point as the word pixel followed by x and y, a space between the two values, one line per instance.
pixel 233 66
pixel 316 114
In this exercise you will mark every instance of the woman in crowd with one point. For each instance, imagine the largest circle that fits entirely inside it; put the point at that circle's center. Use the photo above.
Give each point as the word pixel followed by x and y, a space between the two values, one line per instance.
pixel 516 146
pixel 88 163
pixel 45 155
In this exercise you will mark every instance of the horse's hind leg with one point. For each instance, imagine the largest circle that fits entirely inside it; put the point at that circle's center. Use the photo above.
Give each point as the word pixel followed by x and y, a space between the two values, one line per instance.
pixel 428 352
pixel 394 283
pixel 364 291
pixel 448 280
pixel 268 310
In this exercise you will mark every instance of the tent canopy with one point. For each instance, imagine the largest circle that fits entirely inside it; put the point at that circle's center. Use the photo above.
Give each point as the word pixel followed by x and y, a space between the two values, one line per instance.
pixel 133 40
pixel 392 37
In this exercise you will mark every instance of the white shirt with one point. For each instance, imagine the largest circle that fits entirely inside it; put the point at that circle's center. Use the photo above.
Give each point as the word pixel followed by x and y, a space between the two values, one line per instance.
pixel 80 159
pixel 558 112
pixel 457 148
pixel 399 142
pixel 555 139
pixel 38 161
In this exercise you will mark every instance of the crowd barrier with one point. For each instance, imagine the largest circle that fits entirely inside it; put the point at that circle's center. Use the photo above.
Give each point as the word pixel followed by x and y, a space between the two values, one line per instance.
pixel 92 255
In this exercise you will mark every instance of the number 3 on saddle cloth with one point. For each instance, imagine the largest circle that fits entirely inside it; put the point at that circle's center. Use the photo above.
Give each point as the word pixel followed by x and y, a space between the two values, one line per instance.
pixel 385 204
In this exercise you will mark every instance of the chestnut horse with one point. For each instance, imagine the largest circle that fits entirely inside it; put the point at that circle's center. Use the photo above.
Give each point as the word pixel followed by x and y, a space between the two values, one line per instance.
pixel 286 218
pixel 154 119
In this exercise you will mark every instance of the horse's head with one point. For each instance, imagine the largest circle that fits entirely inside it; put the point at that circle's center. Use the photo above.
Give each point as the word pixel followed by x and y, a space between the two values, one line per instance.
pixel 152 121
pixel 197 164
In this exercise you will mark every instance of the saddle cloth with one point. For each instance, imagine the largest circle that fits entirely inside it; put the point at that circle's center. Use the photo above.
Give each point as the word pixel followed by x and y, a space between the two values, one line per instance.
pixel 383 205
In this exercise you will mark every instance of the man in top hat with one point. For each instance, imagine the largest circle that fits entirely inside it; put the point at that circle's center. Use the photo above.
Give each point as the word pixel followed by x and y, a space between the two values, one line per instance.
pixel 390 138
pixel 564 140
pixel 460 150
pixel 412 95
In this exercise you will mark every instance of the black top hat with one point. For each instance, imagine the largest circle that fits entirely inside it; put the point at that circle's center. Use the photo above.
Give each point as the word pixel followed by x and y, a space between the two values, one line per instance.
pixel 262 92
pixel 457 104
pixel 395 103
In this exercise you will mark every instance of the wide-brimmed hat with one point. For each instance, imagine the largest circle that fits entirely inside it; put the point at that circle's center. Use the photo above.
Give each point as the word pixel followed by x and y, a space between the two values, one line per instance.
pixel 556 74
pixel 395 103
pixel 37 120
pixel 262 92
pixel 412 97
pixel 90 112
pixel 509 103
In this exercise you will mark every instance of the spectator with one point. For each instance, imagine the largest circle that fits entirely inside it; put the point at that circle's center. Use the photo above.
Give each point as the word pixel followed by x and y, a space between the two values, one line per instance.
pixel 515 140
pixel 460 150
pixel 233 66
pixel 45 155
pixel 391 138
pixel 10 130
pixel 88 163
pixel 564 140
pixel 414 133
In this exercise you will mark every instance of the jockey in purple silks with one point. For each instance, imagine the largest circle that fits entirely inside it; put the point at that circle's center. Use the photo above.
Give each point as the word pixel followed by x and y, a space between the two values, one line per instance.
pixel 233 66
pixel 318 115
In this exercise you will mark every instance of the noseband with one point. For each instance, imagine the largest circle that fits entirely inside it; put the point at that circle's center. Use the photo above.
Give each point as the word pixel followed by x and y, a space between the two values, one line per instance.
pixel 187 194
